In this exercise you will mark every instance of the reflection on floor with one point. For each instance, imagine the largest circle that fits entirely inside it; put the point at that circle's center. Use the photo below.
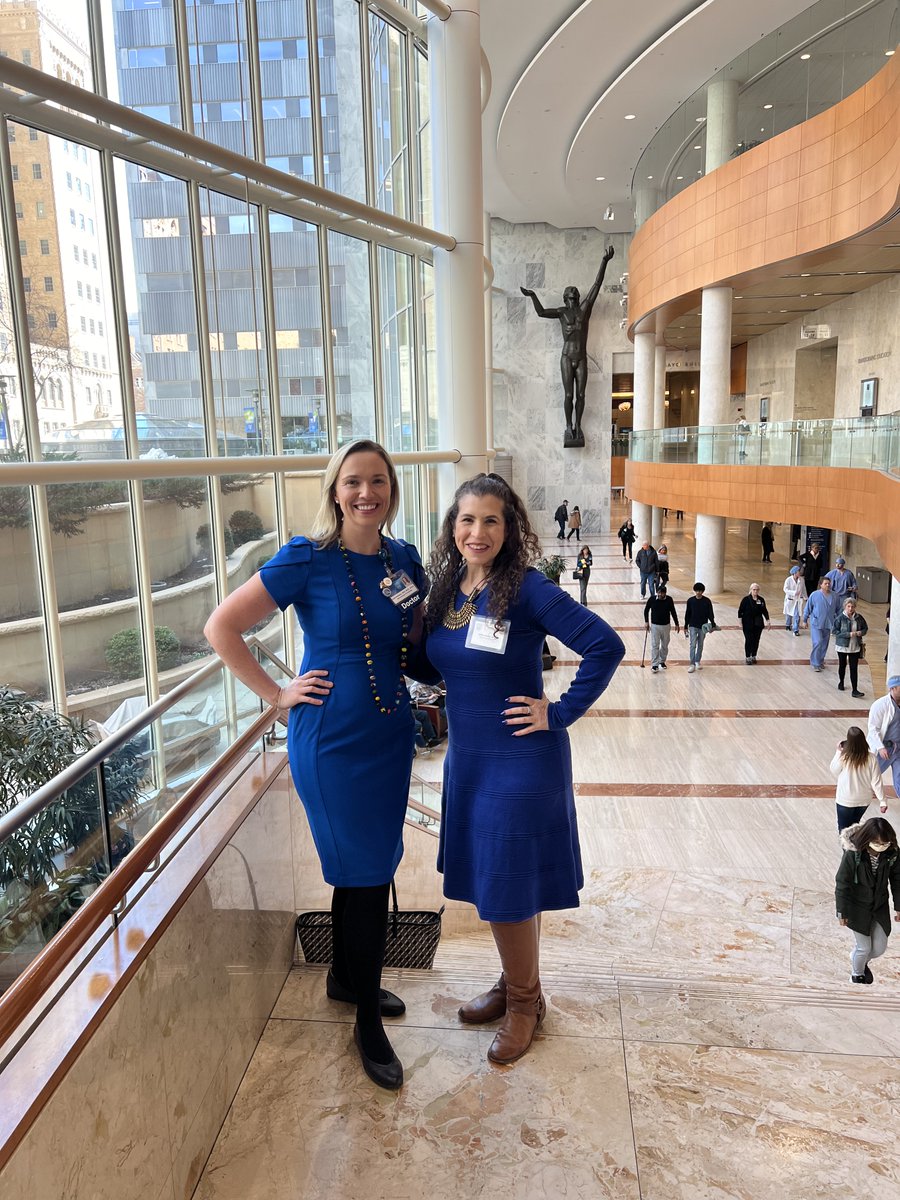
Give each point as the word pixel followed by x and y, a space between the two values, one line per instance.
pixel 702 1040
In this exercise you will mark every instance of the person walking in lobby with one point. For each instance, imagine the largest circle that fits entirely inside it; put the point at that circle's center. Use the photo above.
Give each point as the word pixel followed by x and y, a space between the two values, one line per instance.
pixel 699 619
pixel 509 835
pixel 767 537
pixel 647 562
pixel 858 776
pixel 884 730
pixel 794 599
pixel 754 617
pixel 561 516
pixel 869 864
pixel 627 537
pixel 350 729
pixel 819 614
pixel 849 629
pixel 575 524
pixel 812 564
pixel 659 612
pixel 583 570
pixel 843 581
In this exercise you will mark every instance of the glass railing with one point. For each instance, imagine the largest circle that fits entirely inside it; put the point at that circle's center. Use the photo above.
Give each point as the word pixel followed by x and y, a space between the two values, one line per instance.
pixel 797 71
pixel 424 807
pixel 870 443
pixel 61 838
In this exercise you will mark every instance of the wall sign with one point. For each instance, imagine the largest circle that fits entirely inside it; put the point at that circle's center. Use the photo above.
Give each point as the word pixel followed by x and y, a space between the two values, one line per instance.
pixel 868 397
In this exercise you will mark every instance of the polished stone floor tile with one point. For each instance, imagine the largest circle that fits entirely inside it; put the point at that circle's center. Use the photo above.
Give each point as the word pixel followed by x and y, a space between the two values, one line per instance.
pixel 307 1122
pixel 718 1123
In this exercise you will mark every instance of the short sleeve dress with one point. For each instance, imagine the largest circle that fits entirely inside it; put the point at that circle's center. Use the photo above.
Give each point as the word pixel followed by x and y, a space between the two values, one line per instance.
pixel 509 834
pixel 350 763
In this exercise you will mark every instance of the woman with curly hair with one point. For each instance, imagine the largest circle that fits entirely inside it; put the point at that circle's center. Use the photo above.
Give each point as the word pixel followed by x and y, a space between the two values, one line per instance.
pixel 509 837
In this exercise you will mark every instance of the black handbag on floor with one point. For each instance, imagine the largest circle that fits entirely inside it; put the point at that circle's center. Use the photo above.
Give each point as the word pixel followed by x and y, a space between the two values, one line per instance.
pixel 412 937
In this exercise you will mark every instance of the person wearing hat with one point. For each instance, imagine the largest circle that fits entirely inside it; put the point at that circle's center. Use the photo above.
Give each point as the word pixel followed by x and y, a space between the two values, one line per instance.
pixel 843 581
pixel 884 730
pixel 794 599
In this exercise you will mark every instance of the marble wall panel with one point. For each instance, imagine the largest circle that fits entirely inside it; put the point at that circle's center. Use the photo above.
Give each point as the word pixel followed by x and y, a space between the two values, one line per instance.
pixel 142 1104
pixel 528 407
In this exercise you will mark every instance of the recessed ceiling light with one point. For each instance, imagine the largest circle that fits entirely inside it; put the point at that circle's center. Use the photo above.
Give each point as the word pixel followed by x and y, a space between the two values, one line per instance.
pixel 699 172
pixel 739 297
pixel 817 293
pixel 600 178
pixel 804 57
pixel 679 177
pixel 630 116
pixel 768 106
pixel 889 53
pixel 762 129
pixel 698 147
pixel 699 119
pixel 649 176
pixel 803 295
pixel 782 310
pixel 805 274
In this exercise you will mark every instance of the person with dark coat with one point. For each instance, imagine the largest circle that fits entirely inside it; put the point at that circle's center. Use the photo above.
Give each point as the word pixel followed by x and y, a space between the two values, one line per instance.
pixel 658 612
pixel 627 537
pixel 871 862
pixel 647 562
pixel 561 516
pixel 849 629
pixel 699 620
pixel 813 565
pixel 754 617
pixel 583 565
pixel 767 537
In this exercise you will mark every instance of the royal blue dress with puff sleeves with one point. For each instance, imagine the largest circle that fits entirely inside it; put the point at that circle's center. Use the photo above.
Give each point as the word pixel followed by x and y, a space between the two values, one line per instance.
pixel 350 763
pixel 509 834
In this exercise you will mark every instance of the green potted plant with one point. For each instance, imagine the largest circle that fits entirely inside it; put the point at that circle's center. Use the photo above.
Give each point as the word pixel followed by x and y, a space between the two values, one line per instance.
pixel 551 565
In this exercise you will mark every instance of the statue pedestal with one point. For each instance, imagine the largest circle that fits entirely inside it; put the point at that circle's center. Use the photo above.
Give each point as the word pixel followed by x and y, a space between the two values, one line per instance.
pixel 570 438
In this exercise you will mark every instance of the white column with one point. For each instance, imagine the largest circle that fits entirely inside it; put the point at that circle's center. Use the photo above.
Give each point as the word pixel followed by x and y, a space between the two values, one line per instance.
pixel 454 70
pixel 659 422
pixel 488 343
pixel 893 650
pixel 646 202
pixel 715 394
pixel 721 122
pixel 644 353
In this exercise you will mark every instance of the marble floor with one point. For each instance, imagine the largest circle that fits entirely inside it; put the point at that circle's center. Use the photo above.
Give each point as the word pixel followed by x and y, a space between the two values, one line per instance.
pixel 702 1040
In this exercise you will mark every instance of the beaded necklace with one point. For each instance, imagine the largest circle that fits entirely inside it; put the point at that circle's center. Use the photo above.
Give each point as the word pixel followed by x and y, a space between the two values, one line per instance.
pixel 385 556
pixel 458 619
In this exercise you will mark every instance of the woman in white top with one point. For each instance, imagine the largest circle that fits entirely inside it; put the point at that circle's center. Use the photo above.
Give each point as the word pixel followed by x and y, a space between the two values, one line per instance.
pixel 858 777
pixel 794 599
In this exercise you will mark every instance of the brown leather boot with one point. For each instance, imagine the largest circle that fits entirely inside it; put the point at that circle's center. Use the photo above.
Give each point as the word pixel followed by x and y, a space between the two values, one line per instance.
pixel 489 1006
pixel 519 947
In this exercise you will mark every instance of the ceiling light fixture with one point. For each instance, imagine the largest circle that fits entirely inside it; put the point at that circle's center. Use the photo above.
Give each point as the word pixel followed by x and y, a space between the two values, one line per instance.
pixel 630 116
pixel 768 106
pixel 679 177
pixel 699 120
pixel 698 147
pixel 624 405
pixel 889 54
pixel 804 57
pixel 609 215
pixel 600 178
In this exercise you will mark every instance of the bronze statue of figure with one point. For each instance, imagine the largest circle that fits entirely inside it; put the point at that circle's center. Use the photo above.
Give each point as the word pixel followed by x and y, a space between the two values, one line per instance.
pixel 574 318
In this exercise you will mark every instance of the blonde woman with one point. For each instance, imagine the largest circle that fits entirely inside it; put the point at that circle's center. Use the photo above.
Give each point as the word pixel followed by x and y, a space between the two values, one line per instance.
pixel 357 594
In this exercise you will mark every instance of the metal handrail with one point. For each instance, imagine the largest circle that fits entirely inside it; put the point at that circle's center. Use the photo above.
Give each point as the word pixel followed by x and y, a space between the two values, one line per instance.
pixel 47 793
pixel 13 821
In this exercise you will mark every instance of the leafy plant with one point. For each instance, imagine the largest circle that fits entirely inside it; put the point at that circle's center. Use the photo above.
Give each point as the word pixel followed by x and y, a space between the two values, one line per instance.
pixel 245 526
pixel 552 566
pixel 49 867
pixel 125 656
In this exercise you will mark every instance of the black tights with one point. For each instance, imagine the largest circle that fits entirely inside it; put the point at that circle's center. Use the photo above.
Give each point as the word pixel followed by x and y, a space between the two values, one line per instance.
pixel 359 930
pixel 851 661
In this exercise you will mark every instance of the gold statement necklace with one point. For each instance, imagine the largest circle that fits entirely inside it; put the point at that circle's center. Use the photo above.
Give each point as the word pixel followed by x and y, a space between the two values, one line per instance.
pixel 458 619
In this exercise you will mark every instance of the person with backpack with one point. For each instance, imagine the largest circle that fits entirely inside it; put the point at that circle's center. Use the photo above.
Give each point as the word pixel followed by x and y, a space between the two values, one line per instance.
pixel 561 516
pixel 871 862
pixel 627 537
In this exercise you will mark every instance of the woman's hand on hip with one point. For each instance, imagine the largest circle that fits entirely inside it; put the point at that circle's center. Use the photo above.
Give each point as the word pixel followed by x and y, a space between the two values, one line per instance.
pixel 529 713
pixel 308 688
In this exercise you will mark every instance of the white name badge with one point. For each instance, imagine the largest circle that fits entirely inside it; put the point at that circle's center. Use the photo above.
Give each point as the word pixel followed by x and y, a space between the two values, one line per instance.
pixel 400 589
pixel 483 634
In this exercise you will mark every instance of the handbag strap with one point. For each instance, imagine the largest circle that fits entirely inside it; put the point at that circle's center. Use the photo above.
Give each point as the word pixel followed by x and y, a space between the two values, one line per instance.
pixel 394 898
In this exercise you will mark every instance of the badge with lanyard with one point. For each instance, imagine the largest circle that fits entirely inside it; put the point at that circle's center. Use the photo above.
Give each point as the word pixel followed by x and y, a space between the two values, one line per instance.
pixel 398 586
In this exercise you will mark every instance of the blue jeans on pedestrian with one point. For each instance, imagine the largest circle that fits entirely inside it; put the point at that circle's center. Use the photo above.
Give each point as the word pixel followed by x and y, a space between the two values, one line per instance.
pixel 820 639
pixel 792 622
pixel 648 577
pixel 697 638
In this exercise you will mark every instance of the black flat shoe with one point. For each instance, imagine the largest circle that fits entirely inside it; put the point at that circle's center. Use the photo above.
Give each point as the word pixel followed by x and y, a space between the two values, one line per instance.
pixel 386 1075
pixel 391 1005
